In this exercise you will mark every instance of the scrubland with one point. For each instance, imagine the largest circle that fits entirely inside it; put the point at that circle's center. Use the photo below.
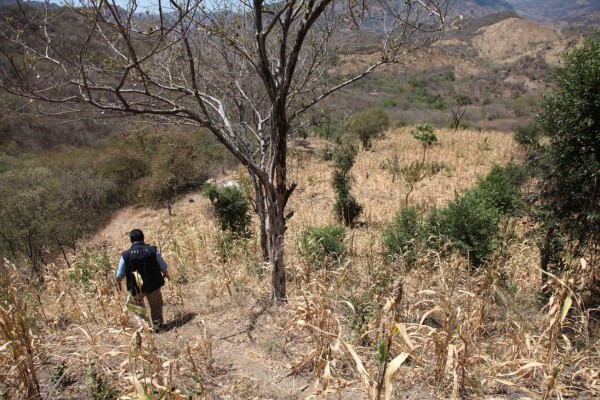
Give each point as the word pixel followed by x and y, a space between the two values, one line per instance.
pixel 364 327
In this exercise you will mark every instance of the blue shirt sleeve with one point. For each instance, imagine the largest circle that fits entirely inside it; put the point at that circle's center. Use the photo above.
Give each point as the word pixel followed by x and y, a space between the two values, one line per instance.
pixel 121 269
pixel 161 262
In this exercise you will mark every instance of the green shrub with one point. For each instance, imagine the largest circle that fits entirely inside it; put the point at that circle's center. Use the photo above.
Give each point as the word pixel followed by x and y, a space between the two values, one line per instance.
pixel 389 102
pixel 569 168
pixel 327 153
pixel 471 224
pixel 347 210
pixel 501 186
pixel 368 125
pixel 231 207
pixel 401 237
pixel 528 135
pixel 324 244
pixel 343 156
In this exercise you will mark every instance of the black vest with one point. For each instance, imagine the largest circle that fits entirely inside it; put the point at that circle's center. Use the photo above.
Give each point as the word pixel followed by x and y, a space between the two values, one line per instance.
pixel 142 258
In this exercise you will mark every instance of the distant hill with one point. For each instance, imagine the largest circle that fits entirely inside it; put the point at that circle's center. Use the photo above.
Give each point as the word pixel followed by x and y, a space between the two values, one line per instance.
pixel 581 12
pixel 5 3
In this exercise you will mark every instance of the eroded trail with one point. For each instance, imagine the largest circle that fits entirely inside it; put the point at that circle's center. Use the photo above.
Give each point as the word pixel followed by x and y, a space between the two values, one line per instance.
pixel 248 359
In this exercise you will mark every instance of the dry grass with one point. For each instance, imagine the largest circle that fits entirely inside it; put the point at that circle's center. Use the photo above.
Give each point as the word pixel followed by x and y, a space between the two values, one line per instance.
pixel 367 329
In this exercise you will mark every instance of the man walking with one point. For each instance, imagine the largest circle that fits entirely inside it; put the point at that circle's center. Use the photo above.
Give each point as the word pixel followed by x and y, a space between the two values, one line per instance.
pixel 144 271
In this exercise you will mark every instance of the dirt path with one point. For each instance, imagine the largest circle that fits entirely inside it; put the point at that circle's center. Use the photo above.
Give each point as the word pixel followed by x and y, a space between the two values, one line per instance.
pixel 247 341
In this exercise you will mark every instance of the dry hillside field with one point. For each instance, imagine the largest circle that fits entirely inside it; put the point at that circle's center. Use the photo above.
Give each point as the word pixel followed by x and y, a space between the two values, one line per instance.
pixel 451 331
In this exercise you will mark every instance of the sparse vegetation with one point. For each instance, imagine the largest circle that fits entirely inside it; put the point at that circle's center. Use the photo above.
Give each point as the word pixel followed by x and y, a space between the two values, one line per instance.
pixel 436 298
pixel 431 307
pixel 419 169
pixel 403 237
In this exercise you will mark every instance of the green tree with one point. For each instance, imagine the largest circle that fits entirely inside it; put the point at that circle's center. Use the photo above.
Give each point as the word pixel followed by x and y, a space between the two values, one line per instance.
pixel 419 170
pixel 345 208
pixel 368 125
pixel 570 167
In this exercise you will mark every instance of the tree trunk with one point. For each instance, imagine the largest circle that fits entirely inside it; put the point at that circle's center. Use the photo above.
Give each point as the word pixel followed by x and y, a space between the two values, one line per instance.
pixel 259 209
pixel 275 231
pixel 277 195
pixel 264 240
pixel 546 254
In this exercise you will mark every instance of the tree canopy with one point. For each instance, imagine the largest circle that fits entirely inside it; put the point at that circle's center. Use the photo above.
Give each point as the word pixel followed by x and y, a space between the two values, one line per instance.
pixel 570 168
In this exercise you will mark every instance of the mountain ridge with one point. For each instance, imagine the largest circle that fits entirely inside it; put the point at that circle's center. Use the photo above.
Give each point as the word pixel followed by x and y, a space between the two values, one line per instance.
pixel 580 12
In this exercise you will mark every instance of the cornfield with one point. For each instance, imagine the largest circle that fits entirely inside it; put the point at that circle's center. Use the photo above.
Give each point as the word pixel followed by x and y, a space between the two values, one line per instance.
pixel 365 328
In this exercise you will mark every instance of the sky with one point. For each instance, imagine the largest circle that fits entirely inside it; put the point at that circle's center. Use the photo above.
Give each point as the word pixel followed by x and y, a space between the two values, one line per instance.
pixel 143 5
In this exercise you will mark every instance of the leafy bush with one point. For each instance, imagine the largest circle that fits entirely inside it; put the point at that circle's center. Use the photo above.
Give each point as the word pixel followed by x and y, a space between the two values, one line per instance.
pixel 570 168
pixel 402 236
pixel 501 186
pixel 343 157
pixel 323 244
pixel 471 224
pixel 528 135
pixel 368 125
pixel 327 153
pixel 347 210
pixel 231 207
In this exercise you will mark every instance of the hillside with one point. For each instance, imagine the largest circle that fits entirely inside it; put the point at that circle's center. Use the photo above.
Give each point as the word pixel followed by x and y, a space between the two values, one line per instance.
pixel 222 342
pixel 434 292
pixel 501 62
pixel 581 12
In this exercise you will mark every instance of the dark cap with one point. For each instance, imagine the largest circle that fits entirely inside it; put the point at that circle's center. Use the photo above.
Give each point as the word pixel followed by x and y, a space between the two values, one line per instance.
pixel 136 235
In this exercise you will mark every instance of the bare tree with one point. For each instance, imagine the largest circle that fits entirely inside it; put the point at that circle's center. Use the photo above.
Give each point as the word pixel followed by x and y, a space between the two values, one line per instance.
pixel 459 110
pixel 245 70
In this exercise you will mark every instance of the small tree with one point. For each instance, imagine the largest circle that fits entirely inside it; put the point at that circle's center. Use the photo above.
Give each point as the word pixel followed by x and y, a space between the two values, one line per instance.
pixel 345 208
pixel 570 168
pixel 459 109
pixel 419 170
pixel 368 125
